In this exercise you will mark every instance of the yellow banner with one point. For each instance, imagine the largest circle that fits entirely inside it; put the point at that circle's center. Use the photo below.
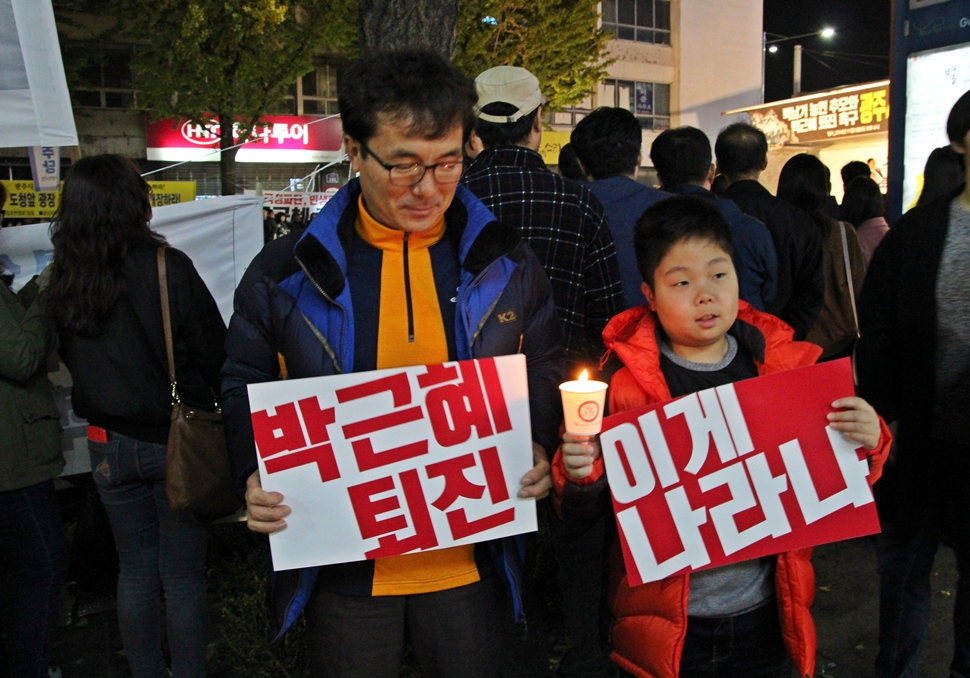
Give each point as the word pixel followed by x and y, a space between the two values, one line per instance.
pixel 23 202
pixel 171 192
pixel 550 144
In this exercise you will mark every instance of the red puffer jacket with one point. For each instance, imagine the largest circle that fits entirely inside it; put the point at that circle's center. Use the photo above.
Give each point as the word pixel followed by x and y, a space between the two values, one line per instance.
pixel 650 621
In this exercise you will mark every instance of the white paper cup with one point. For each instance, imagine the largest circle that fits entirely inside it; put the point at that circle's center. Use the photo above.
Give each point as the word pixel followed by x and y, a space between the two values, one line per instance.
pixel 582 406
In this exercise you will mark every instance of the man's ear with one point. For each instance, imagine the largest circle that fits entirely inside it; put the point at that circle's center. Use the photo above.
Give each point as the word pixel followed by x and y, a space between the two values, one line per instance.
pixel 764 165
pixel 537 123
pixel 958 147
pixel 352 149
pixel 648 293
pixel 711 173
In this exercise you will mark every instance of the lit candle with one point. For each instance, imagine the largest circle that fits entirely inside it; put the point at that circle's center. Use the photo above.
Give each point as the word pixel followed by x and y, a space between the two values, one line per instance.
pixel 582 405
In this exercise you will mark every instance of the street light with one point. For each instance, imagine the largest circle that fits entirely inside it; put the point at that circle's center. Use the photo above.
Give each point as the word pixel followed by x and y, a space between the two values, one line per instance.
pixel 827 32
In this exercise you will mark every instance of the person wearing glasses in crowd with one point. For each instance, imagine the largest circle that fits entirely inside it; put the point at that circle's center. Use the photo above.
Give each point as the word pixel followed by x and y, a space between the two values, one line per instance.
pixel 406 263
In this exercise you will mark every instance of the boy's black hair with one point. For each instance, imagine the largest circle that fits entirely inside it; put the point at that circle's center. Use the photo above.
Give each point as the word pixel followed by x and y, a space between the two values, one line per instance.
pixel 958 122
pixel 741 148
pixel 608 142
pixel 853 169
pixel 675 220
pixel 681 156
pixel 495 134
pixel 416 86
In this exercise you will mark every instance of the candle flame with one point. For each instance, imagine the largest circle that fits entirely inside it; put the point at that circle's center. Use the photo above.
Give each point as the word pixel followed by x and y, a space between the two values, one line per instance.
pixel 584 376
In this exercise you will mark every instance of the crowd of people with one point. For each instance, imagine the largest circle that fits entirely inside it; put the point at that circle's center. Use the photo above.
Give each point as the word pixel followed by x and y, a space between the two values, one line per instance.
pixel 454 242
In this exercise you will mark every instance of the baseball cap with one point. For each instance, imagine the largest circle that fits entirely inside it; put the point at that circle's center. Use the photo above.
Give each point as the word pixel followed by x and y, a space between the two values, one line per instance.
pixel 508 85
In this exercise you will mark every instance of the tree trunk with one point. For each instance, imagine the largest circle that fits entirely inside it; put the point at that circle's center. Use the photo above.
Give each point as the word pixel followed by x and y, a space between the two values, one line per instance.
pixel 227 157
pixel 408 24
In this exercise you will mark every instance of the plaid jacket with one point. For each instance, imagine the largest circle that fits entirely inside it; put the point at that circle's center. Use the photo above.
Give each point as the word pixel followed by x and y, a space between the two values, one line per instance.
pixel 566 227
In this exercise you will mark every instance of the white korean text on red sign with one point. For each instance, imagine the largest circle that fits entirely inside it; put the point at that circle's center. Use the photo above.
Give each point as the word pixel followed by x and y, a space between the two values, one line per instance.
pixel 736 472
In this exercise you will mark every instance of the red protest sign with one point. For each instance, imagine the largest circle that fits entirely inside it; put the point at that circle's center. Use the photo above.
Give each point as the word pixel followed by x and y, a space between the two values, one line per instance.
pixel 736 472
pixel 382 463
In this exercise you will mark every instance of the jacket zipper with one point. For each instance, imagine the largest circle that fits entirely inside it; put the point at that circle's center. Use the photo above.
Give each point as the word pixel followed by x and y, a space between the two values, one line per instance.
pixel 319 335
pixel 407 289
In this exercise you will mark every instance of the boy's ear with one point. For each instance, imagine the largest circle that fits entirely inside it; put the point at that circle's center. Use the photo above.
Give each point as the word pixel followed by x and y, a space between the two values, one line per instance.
pixel 648 293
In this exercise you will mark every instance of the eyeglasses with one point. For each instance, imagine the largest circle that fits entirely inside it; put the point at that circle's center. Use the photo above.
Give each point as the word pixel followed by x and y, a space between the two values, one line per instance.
pixel 412 173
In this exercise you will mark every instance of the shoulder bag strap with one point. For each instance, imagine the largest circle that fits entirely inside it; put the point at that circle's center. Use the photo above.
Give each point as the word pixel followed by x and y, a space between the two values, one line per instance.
pixel 848 276
pixel 167 321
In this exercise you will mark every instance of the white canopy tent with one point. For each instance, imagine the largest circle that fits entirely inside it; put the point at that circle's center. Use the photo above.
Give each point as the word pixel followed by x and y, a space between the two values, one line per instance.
pixel 35 107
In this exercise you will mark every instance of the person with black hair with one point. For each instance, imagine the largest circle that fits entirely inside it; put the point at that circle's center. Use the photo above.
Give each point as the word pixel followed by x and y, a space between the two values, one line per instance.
pixel 106 297
pixel 742 155
pixel 682 158
pixel 401 267
pixel 804 184
pixel 608 143
pixel 561 220
pixel 913 363
pixel 753 617
pixel 851 170
pixel 863 207
pixel 569 165
pixel 943 173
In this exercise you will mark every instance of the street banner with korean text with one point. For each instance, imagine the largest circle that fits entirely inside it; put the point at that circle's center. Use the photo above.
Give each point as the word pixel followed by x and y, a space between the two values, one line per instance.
pixel 736 472
pixel 25 202
pixel 382 463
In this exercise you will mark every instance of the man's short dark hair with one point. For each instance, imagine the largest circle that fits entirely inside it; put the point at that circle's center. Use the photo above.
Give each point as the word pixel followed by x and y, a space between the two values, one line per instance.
pixel 681 156
pixel 741 148
pixel 415 86
pixel 495 134
pixel 675 220
pixel 608 142
pixel 853 169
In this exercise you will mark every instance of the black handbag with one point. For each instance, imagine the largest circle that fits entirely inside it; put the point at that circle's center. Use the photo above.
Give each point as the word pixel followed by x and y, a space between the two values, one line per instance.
pixel 198 481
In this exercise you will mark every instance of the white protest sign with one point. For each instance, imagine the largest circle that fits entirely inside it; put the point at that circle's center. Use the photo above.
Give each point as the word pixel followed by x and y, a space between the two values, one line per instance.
pixel 382 463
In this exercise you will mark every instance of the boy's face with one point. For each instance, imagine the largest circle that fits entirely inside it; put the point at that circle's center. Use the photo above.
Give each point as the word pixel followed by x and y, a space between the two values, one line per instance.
pixel 695 296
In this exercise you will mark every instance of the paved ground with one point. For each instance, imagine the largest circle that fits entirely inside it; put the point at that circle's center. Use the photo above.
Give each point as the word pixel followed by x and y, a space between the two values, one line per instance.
pixel 845 610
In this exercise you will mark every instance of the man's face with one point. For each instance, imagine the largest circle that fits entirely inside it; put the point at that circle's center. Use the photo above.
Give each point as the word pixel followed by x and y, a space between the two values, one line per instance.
pixel 411 209
pixel 695 296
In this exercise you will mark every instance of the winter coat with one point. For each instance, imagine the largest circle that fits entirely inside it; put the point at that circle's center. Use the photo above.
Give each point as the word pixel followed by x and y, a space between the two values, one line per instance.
pixel 650 622
pixel 29 419
pixel 294 303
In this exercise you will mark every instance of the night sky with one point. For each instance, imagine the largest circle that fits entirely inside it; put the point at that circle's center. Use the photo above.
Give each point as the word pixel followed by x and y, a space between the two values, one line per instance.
pixel 863 27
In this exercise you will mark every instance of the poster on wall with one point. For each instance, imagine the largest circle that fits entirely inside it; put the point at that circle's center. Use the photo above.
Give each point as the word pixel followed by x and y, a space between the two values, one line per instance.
pixel 935 79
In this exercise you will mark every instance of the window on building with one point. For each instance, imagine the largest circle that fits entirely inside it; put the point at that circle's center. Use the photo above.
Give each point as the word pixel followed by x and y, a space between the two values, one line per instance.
pixel 104 80
pixel 569 117
pixel 320 91
pixel 639 20
pixel 649 101
pixel 313 94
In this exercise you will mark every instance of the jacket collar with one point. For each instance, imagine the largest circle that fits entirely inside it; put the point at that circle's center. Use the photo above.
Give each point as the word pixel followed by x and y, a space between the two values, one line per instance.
pixel 321 251
pixel 746 186
pixel 633 336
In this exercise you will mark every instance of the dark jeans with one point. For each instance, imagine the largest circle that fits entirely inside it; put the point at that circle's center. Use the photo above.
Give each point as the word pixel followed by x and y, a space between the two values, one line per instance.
pixel 748 645
pixel 905 567
pixel 581 556
pixel 33 549
pixel 453 633
pixel 159 551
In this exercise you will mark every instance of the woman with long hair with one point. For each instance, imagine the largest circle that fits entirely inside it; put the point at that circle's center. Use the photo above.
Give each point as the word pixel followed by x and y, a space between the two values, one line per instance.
pixel 863 206
pixel 105 296
pixel 803 183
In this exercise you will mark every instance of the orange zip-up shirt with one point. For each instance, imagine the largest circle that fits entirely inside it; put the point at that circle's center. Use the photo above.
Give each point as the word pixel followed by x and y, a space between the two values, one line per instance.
pixel 411 332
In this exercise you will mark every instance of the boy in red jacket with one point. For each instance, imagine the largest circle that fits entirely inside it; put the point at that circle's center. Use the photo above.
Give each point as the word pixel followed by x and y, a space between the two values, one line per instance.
pixel 744 619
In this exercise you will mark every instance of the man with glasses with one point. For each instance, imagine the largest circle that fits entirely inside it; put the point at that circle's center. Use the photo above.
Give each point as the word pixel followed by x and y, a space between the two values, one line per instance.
pixel 402 267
